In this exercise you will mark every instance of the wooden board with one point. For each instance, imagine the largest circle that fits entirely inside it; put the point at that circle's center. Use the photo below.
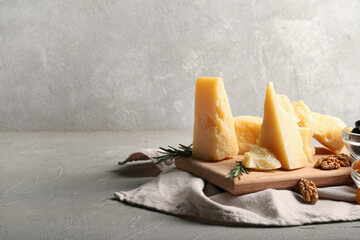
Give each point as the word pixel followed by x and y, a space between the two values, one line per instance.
pixel 215 173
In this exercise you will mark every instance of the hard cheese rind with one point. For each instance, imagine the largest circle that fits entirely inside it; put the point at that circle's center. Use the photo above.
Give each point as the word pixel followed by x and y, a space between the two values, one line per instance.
pixel 214 132
pixel 279 131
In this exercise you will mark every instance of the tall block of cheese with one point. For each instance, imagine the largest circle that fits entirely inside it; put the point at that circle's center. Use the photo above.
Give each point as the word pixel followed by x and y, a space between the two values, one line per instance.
pixel 306 136
pixel 327 129
pixel 247 129
pixel 214 132
pixel 279 131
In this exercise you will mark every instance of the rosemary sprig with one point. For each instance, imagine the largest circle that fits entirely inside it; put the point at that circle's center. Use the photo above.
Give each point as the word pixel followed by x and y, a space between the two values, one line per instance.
pixel 183 151
pixel 238 170
pixel 172 153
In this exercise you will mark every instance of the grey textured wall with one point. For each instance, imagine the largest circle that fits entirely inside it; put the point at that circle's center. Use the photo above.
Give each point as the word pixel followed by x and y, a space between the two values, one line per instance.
pixel 113 65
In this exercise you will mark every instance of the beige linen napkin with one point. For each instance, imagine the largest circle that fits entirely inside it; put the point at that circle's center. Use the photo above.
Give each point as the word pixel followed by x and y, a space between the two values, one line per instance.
pixel 181 193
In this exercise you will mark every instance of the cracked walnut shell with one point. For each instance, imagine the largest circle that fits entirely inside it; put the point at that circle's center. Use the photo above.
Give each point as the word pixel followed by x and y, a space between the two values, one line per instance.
pixel 308 190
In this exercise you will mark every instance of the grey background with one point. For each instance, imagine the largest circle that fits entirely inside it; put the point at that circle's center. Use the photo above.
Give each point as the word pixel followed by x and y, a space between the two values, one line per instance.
pixel 119 65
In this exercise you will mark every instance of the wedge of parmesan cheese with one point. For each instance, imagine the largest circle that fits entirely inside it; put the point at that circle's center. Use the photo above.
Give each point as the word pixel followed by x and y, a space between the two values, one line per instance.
pixel 279 131
pixel 214 132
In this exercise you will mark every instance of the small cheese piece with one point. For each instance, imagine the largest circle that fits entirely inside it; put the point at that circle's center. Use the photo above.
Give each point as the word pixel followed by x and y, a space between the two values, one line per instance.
pixel 214 132
pixel 259 158
pixel 327 129
pixel 247 129
pixel 279 131
pixel 306 135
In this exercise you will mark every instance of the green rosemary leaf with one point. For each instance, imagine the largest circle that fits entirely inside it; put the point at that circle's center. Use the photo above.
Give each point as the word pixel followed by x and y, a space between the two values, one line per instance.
pixel 237 171
pixel 172 153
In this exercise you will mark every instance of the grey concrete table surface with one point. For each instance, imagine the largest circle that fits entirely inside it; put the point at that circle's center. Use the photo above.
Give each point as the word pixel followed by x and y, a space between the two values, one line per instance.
pixel 61 185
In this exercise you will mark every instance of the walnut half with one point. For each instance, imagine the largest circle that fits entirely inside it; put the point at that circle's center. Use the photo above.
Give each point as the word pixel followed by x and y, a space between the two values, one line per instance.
pixel 308 190
pixel 345 160
pixel 328 163
pixel 333 162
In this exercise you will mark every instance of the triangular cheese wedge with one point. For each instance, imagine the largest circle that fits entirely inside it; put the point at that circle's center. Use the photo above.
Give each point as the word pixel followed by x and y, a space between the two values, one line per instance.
pixel 279 131
pixel 214 132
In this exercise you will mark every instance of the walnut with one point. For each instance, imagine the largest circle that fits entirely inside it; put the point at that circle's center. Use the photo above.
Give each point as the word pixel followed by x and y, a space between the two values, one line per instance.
pixel 330 163
pixel 333 162
pixel 345 160
pixel 318 163
pixel 308 190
